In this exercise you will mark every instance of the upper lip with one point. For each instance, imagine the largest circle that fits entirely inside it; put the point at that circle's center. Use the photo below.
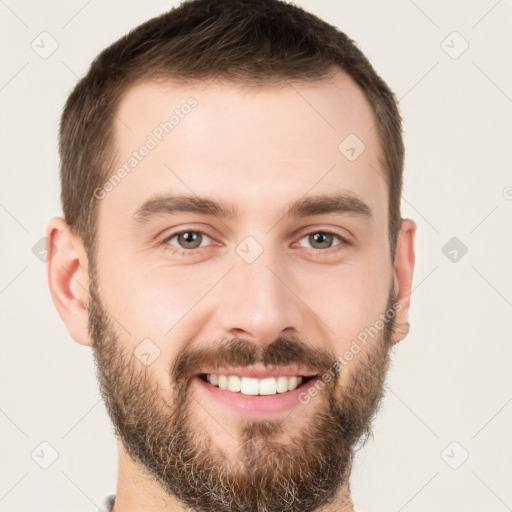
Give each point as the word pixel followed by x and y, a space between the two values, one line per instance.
pixel 261 372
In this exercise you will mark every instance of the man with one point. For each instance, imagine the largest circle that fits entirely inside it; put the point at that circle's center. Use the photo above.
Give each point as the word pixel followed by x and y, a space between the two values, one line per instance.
pixel 232 250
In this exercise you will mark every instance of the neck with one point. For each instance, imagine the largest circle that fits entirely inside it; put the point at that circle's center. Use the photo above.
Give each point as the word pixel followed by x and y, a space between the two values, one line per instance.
pixel 138 491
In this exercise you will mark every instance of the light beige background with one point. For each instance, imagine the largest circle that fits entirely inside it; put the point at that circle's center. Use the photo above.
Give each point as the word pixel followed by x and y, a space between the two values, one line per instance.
pixel 450 380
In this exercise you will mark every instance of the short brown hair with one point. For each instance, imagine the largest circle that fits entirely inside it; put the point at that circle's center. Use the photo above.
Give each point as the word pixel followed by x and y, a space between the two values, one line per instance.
pixel 242 41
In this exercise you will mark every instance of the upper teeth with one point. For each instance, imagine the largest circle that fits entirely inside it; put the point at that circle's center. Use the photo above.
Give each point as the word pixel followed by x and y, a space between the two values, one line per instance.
pixel 250 386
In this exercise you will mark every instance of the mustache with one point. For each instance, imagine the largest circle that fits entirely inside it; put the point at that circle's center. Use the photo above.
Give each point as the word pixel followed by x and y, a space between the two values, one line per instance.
pixel 284 351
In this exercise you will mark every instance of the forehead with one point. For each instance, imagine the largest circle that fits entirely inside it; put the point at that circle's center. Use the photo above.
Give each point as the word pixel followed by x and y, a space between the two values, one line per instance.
pixel 243 144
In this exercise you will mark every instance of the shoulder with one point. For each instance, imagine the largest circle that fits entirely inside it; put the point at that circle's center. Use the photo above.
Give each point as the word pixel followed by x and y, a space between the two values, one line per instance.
pixel 107 503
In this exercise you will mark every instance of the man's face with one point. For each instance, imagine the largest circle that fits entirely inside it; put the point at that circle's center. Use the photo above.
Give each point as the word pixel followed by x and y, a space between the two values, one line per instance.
pixel 260 294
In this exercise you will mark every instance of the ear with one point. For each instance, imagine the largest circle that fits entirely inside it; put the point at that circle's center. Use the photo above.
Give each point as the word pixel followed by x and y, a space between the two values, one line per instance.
pixel 402 277
pixel 68 278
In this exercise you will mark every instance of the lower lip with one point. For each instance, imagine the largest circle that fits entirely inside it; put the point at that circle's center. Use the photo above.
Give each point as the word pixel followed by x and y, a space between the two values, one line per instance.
pixel 256 405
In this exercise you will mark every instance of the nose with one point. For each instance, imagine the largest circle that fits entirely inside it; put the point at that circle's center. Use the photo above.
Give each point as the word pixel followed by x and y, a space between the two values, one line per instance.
pixel 257 302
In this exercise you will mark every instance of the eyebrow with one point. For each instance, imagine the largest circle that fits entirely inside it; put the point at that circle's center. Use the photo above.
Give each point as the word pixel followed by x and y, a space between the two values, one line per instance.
pixel 344 204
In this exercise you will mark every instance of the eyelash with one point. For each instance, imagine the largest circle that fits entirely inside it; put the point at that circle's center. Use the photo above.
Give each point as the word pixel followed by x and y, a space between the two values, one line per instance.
pixel 185 252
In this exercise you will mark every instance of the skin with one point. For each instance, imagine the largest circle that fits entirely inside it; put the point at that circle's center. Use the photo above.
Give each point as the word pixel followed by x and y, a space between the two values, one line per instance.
pixel 258 150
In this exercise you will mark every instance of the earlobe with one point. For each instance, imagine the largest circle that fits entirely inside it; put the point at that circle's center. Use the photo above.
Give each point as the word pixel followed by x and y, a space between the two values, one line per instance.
pixel 403 275
pixel 67 272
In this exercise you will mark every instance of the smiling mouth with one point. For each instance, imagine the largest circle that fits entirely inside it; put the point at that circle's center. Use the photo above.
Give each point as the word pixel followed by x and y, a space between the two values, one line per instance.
pixel 254 386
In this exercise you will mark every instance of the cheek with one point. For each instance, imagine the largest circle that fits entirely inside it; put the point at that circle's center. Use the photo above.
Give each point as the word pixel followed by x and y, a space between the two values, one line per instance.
pixel 159 316
pixel 350 300
pixel 160 308
pixel 157 303
pixel 146 295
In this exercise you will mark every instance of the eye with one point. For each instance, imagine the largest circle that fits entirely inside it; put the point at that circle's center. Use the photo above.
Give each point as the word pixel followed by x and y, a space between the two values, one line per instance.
pixel 187 241
pixel 323 239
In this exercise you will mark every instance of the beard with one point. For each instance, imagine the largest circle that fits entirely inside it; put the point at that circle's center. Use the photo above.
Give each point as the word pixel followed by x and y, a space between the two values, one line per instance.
pixel 273 470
